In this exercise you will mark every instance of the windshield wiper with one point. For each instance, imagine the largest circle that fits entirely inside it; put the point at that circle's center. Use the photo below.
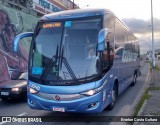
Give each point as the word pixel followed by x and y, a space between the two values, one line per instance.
pixel 54 62
pixel 70 70
pixel 64 60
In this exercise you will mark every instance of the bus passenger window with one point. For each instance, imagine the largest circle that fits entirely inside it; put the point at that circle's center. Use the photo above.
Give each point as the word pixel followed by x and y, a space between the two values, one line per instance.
pixel 119 53
pixel 108 59
pixel 104 59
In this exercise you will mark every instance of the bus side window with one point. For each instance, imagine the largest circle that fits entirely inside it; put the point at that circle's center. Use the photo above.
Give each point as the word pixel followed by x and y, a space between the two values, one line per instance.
pixel 104 55
pixel 119 53
pixel 108 53
pixel 125 56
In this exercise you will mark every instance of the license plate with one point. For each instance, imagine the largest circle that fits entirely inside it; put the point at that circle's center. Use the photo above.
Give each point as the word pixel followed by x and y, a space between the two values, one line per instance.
pixel 5 93
pixel 58 109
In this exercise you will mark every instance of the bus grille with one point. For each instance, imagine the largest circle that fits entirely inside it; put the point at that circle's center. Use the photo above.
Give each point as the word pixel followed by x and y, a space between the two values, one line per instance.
pixel 63 97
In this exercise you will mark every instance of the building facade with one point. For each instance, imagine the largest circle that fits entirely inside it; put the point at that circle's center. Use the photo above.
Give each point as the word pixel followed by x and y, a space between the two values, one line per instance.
pixel 18 16
pixel 40 7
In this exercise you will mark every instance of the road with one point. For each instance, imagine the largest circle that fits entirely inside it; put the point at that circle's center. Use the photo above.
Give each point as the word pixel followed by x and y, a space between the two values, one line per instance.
pixel 124 105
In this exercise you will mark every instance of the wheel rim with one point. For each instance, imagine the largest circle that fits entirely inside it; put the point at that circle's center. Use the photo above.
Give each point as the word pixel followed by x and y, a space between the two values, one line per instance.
pixel 113 96
pixel 134 79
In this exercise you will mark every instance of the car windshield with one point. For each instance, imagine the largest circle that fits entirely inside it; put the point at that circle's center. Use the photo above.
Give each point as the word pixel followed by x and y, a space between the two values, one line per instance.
pixel 65 51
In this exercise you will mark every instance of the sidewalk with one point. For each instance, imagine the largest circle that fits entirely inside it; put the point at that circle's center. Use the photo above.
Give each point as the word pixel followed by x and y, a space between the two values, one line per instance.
pixel 151 107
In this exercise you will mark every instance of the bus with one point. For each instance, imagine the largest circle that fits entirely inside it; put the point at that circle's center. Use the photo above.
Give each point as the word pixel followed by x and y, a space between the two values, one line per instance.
pixel 80 61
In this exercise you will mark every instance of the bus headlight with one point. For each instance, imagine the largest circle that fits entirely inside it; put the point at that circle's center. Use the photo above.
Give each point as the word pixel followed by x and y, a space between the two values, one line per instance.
pixel 89 92
pixel 93 91
pixel 32 91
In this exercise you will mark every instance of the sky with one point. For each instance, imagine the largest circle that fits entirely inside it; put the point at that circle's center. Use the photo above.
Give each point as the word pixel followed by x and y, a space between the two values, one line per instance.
pixel 140 9
pixel 136 14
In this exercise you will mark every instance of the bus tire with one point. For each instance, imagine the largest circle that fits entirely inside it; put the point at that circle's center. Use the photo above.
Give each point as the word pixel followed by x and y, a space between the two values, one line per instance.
pixel 114 97
pixel 134 79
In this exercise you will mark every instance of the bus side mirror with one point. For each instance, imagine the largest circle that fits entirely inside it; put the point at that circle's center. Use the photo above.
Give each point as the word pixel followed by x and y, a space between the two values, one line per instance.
pixel 18 38
pixel 102 38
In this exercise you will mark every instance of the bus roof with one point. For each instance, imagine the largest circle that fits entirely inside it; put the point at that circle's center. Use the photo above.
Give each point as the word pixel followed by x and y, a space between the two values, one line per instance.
pixel 77 13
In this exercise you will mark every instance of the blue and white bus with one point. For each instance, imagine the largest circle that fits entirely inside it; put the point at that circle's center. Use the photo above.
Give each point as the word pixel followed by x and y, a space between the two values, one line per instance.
pixel 80 61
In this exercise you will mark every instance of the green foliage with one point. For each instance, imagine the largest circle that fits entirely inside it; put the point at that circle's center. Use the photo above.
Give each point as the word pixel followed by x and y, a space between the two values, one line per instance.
pixel 145 96
pixel 142 100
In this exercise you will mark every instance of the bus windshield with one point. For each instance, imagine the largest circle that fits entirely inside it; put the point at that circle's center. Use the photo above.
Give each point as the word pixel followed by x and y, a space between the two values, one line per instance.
pixel 65 51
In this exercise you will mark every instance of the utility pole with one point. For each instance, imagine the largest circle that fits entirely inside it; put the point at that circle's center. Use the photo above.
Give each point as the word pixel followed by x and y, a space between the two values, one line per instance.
pixel 150 41
pixel 73 4
pixel 153 51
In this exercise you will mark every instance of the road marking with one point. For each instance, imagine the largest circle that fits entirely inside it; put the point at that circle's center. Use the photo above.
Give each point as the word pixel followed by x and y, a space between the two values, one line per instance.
pixel 3 123
pixel 128 109
pixel 135 102
pixel 22 114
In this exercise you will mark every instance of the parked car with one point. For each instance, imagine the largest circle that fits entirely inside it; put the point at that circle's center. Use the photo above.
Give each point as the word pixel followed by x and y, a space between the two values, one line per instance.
pixel 14 89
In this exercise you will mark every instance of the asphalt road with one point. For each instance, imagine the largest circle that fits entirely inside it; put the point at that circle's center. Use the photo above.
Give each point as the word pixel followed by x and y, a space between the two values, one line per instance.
pixel 124 105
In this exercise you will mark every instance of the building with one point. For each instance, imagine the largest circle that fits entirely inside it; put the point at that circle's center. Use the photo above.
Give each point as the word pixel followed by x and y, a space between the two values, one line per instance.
pixel 17 16
pixel 40 7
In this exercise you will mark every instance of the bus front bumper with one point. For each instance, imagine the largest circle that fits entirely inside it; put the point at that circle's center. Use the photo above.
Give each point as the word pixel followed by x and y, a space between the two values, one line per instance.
pixel 85 104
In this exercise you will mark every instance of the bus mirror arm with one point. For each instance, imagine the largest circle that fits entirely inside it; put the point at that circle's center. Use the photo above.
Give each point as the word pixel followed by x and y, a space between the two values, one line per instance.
pixel 108 55
pixel 102 38
pixel 18 38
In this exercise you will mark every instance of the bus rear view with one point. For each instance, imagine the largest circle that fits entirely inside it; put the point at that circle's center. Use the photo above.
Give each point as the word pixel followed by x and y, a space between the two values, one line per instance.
pixel 72 67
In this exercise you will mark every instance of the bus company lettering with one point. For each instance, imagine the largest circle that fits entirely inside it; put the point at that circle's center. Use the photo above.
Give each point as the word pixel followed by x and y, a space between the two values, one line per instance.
pixel 34 86
pixel 49 5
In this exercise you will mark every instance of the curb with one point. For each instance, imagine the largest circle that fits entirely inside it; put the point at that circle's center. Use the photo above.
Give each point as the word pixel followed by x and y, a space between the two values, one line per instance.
pixel 142 108
pixel 148 82
pixel 140 112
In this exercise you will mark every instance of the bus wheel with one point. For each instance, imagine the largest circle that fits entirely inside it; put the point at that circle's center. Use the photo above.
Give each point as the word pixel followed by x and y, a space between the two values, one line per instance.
pixel 114 97
pixel 134 79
